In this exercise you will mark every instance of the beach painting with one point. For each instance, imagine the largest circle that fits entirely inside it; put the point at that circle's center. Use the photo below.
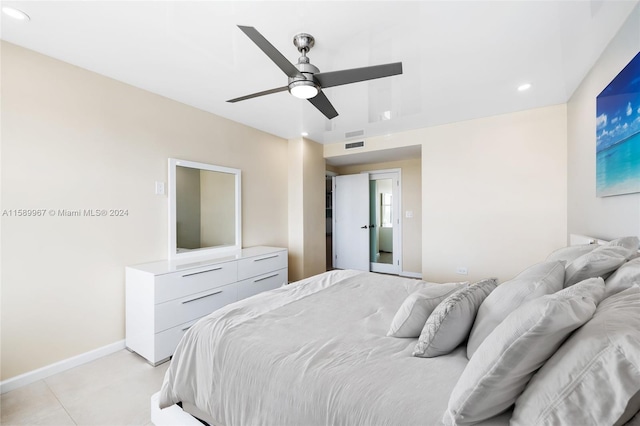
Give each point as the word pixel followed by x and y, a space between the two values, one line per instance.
pixel 618 133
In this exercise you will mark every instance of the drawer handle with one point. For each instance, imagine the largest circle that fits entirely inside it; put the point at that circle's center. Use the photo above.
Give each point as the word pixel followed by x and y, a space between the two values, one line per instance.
pixel 265 278
pixel 186 328
pixel 201 297
pixel 202 272
pixel 265 258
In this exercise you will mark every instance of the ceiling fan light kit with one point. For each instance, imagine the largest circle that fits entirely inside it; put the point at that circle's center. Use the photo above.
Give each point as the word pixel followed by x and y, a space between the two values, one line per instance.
pixel 303 89
pixel 305 80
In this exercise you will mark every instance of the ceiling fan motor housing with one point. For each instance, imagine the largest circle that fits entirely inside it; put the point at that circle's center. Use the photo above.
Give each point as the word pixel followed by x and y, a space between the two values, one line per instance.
pixel 305 78
pixel 304 42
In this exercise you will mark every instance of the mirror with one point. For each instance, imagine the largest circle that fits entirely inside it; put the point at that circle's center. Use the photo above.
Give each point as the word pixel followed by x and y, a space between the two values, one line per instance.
pixel 381 219
pixel 204 209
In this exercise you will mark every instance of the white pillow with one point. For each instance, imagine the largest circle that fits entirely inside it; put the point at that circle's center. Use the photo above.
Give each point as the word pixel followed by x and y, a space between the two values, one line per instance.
pixel 450 322
pixel 538 280
pixel 626 276
pixel 417 307
pixel 503 364
pixel 594 378
pixel 631 243
pixel 571 253
pixel 598 263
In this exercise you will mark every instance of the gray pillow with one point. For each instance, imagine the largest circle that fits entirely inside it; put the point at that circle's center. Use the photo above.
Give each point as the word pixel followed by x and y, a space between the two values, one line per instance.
pixel 571 253
pixel 538 280
pixel 450 322
pixel 631 243
pixel 626 276
pixel 594 378
pixel 601 261
pixel 417 307
pixel 501 368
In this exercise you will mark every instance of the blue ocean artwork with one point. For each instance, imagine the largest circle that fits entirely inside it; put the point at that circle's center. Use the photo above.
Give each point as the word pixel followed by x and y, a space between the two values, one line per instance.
pixel 618 133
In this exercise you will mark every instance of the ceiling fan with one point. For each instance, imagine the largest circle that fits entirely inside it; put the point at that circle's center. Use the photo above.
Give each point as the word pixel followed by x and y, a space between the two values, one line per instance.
pixel 305 80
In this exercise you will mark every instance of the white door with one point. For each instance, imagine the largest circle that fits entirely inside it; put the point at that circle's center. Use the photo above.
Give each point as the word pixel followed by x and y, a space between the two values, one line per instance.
pixel 351 222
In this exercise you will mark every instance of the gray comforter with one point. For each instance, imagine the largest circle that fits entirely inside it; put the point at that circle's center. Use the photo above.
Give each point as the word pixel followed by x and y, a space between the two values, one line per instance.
pixel 314 352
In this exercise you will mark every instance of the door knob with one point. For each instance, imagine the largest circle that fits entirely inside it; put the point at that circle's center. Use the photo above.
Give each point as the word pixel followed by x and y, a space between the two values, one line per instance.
pixel 364 227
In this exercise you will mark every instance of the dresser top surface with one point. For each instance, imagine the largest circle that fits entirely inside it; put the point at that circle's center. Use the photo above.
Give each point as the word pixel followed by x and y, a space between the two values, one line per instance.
pixel 169 266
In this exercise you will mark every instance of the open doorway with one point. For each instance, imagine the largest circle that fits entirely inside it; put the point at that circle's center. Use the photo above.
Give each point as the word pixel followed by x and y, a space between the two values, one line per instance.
pixel 408 160
pixel 329 217
pixel 366 229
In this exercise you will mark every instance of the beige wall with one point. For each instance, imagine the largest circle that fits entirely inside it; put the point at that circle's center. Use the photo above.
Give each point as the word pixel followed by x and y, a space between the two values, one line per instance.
pixel 72 139
pixel 494 194
pixel 218 201
pixel 306 209
pixel 494 191
pixel 411 200
pixel 188 208
pixel 608 217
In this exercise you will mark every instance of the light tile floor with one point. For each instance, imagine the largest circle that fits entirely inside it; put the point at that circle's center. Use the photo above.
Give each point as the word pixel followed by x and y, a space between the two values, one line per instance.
pixel 114 390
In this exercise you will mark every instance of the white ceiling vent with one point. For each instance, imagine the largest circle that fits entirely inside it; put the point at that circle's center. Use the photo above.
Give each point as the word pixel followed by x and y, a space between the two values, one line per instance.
pixel 354 134
pixel 352 145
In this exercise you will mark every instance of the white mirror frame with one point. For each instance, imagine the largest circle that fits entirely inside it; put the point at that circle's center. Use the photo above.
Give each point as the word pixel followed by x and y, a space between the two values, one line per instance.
pixel 206 251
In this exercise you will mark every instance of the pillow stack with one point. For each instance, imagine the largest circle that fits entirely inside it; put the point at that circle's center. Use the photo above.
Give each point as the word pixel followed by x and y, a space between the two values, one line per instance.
pixel 549 320
pixel 542 341
pixel 504 362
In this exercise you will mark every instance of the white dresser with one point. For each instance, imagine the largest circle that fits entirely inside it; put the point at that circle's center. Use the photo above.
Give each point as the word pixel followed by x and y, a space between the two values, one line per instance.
pixel 164 299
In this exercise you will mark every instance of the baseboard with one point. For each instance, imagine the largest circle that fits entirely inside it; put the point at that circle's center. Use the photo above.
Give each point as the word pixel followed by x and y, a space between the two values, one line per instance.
pixel 58 367
pixel 411 274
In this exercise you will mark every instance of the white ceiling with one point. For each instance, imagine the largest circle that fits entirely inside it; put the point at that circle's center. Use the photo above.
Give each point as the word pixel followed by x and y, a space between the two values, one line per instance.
pixel 461 59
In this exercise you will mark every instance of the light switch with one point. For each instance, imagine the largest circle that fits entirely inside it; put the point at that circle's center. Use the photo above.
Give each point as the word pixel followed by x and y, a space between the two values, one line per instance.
pixel 159 188
pixel 408 214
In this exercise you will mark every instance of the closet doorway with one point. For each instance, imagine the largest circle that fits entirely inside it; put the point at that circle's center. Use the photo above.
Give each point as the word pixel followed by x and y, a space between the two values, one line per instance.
pixel 366 221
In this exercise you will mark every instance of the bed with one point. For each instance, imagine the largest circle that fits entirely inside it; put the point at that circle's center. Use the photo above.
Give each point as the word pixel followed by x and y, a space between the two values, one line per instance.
pixel 317 352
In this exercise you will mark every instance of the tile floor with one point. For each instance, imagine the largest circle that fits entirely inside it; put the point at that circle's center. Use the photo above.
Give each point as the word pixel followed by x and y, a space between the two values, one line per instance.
pixel 114 390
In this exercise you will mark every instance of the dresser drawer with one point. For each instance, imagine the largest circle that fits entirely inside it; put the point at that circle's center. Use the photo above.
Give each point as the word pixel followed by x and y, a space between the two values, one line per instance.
pixel 166 341
pixel 260 265
pixel 262 283
pixel 179 311
pixel 179 284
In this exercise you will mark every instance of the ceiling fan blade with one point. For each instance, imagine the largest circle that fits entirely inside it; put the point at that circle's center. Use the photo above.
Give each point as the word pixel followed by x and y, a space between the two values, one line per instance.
pixel 255 95
pixel 321 102
pixel 273 53
pixel 354 75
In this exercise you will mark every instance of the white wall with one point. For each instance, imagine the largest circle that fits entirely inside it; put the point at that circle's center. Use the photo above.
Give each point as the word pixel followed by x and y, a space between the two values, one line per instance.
pixel 608 217
pixel 72 139
pixel 494 191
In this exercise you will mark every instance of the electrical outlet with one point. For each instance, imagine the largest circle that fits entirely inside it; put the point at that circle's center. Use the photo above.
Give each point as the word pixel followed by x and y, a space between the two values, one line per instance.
pixel 462 270
pixel 159 188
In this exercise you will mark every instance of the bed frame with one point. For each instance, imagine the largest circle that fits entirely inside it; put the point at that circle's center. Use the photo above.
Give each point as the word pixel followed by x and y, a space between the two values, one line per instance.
pixel 170 416
pixel 176 416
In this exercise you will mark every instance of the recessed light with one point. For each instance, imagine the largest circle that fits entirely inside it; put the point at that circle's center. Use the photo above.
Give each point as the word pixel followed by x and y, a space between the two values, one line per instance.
pixel 304 134
pixel 15 13
pixel 524 87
